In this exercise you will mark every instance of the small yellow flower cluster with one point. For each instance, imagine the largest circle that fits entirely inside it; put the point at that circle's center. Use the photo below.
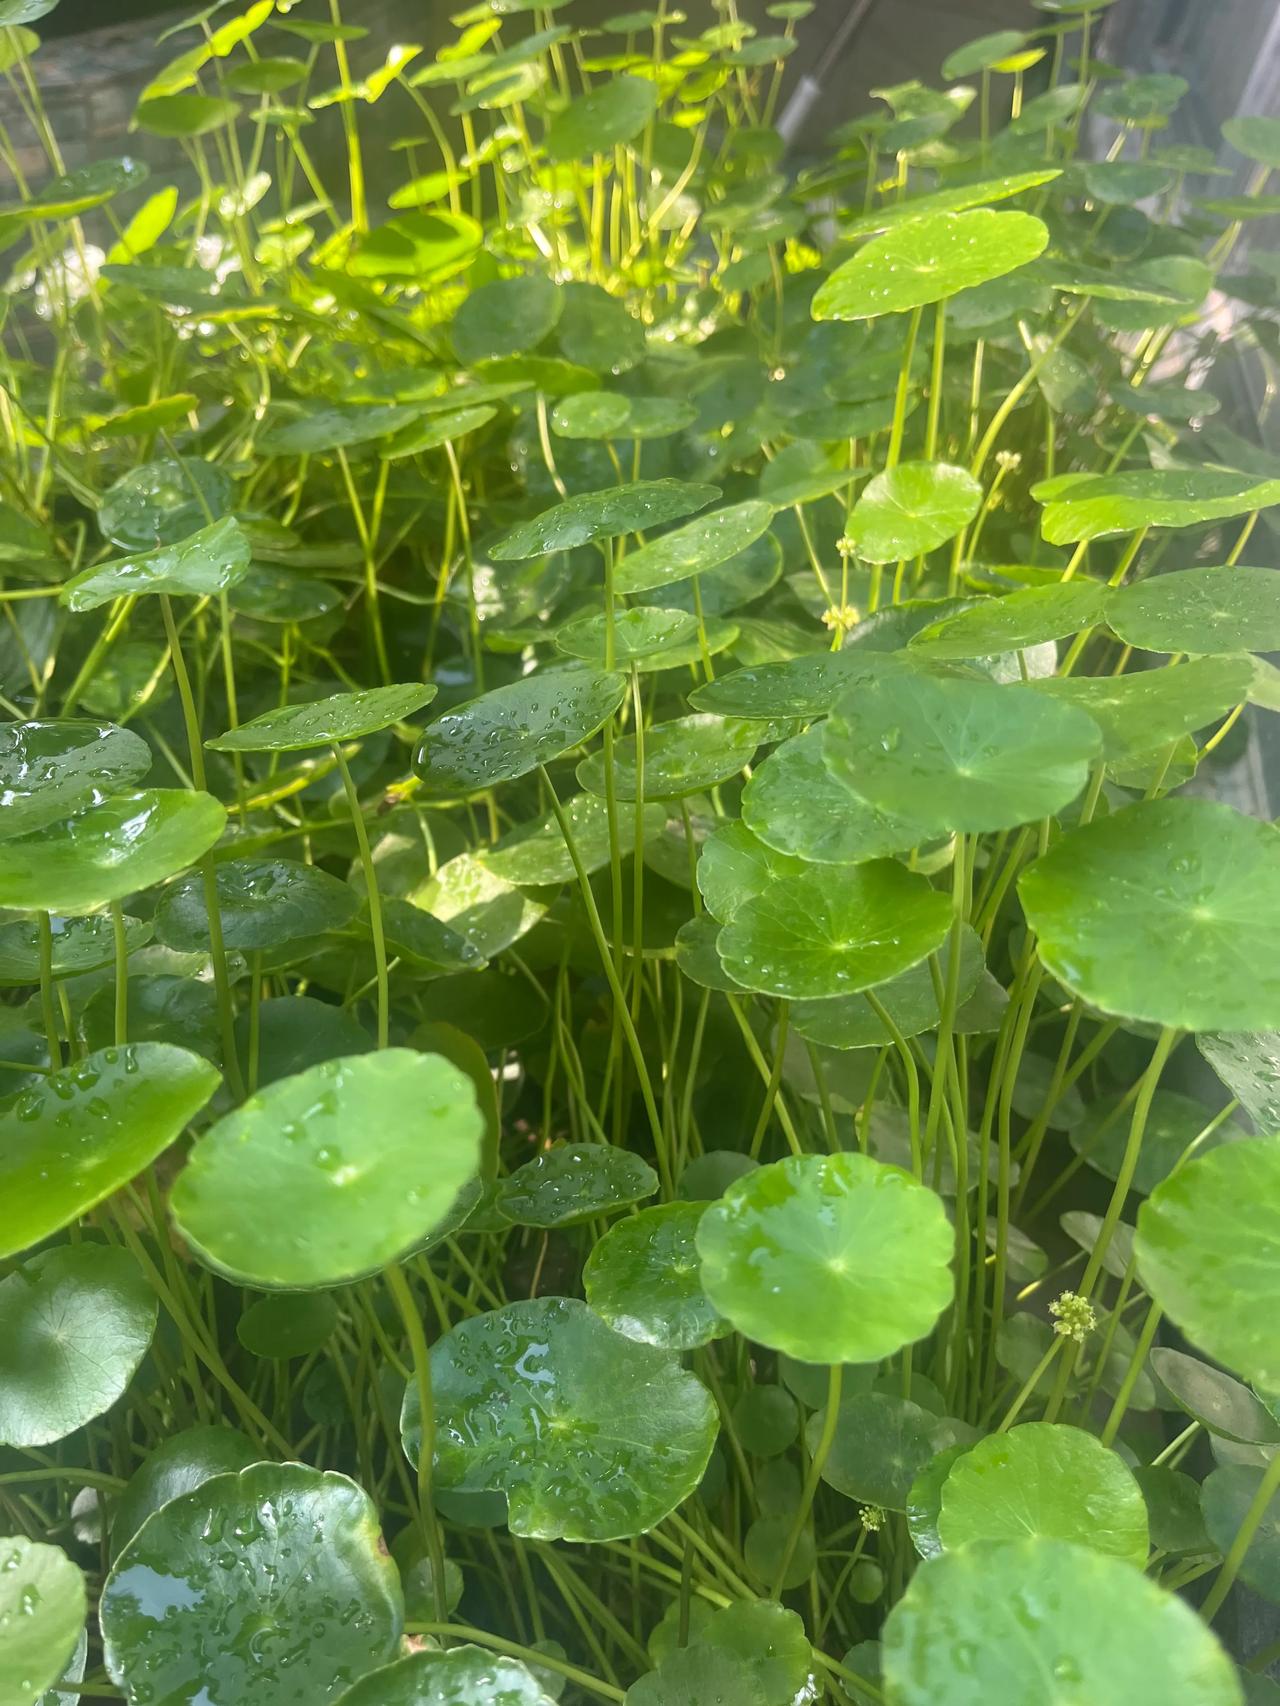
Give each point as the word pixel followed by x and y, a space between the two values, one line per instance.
pixel 1073 1316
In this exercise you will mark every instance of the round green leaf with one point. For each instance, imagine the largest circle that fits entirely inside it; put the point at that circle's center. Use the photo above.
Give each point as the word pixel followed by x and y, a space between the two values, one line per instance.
pixel 1047 1480
pixel 70 1140
pixel 297 1031
pixel 1125 904
pixel 1173 1510
pixel 794 804
pixel 868 1239
pixel 805 686
pixel 591 414
pixel 1020 619
pixel 1151 708
pixel 160 503
pixel 1200 610
pixel 184 115
pixel 1045 1622
pixel 955 198
pixel 506 317
pixel 1094 506
pixel 958 754
pixel 288 1324
pixel 882 1444
pixel 734 866
pixel 602 515
pixel 179 1464
pixel 262 903
pixel 463 1676
pixel 43 1606
pixel 50 770
pixel 682 757
pixel 637 635
pixel 589 1435
pixel 75 1322
pixel 510 731
pixel 701 544
pixel 201 565
pixel 910 509
pixel 125 843
pixel 597 122
pixel 849 1021
pixel 815 937
pixel 270 1587
pixel 698 1675
pixel 642 1279
pixel 1225 1499
pixel 432 431
pixel 480 906
pixel 79 945
pixel 924 1500
pixel 572 1182
pixel 928 259
pixel 325 722
pixel 1206 1252
pixel 596 329
pixel 1223 1405
pixel 330 1175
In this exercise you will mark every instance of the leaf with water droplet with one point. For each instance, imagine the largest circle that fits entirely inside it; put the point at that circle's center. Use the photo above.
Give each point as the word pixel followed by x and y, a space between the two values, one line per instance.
pixel 1079 508
pixel 573 1182
pixel 909 510
pixel 794 804
pixel 112 849
pixel 681 757
pixel 508 732
pixel 202 565
pixel 179 1464
pixel 79 945
pixel 1019 619
pixel 867 1239
pixel 1200 610
pixel 262 903
pixel 43 1606
pixel 703 543
pixel 462 1676
pixel 324 722
pixel 642 1278
pixel 606 514
pixel 331 1174
pixel 928 259
pixel 1044 1478
pixel 270 1587
pixel 50 770
pixel 910 999
pixel 160 503
pixel 882 1442
pixel 1205 1245
pixel 69 1141
pixel 505 317
pixel 1124 905
pixel 590 1436
pixel 75 1322
pixel 1147 710
pixel 1044 1620
pixel 1248 1063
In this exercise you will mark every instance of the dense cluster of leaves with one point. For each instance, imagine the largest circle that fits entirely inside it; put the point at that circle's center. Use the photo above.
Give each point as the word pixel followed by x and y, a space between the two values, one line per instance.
pixel 609 947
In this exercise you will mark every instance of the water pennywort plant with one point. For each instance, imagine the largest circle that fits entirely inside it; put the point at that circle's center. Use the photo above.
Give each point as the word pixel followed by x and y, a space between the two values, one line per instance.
pixel 639 1065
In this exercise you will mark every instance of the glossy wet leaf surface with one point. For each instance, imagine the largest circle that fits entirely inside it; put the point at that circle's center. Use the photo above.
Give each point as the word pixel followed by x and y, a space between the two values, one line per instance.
pixel 1248 1063
pixel 703 543
pixel 834 1226
pixel 603 515
pixel 1151 708
pixel 794 804
pixel 75 1322
pixel 910 999
pixel 680 758
pixel 927 259
pixel 42 1612
pixel 806 686
pixel 79 945
pixel 596 122
pixel 261 902
pixel 480 906
pixel 368 1154
pixel 178 1465
pixel 1100 505
pixel 1043 1620
pixel 1206 1253
pixel 1200 610
pixel 321 722
pixel 1122 906
pixel 513 729
pixel 638 635
pixel 589 1435
pixel 574 1181
pixel 462 1676
pixel 642 1278
pixel 911 509
pixel 814 937
pixel 268 1586
pixel 69 1141
pixel 956 754
pixel 49 770
pixel 1026 618
pixel 1049 1480
pixel 160 503
pixel 201 565
pixel 125 843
